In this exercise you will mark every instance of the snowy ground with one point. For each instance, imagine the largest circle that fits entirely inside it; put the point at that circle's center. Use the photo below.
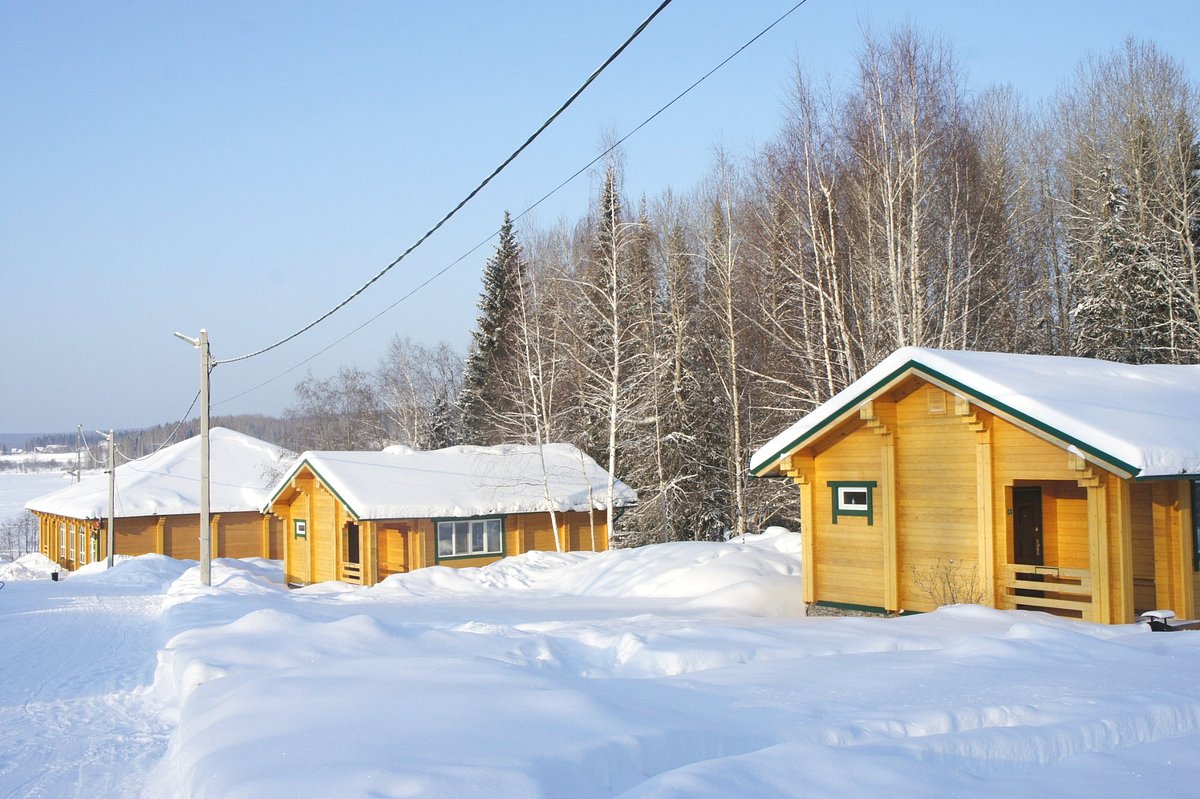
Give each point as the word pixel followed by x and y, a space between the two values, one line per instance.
pixel 680 670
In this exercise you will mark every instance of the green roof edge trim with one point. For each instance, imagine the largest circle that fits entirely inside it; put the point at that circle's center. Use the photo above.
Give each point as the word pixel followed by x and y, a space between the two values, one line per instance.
pixel 918 367
pixel 292 476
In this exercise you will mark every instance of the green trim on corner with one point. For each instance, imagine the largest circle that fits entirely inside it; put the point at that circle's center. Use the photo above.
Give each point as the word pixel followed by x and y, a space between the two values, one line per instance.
pixel 911 612
pixel 503 517
pixel 851 606
pixel 913 366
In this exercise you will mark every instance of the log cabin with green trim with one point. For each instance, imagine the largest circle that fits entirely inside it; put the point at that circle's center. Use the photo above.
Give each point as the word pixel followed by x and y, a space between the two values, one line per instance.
pixel 157 505
pixel 1067 485
pixel 360 517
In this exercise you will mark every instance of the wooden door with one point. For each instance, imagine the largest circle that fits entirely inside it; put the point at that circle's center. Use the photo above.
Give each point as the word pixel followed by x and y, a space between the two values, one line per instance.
pixel 1027 526
pixel 393 550
pixel 353 544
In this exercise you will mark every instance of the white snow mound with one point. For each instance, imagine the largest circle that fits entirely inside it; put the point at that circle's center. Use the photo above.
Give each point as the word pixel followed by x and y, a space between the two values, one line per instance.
pixel 34 566
pixel 755 574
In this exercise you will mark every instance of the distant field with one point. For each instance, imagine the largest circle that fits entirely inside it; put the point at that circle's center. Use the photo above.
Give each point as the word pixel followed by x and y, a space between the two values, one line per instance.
pixel 38 460
pixel 17 488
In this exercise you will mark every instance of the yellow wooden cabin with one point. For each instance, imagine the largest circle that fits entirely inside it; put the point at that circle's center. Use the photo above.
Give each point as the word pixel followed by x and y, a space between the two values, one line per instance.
pixel 359 517
pixel 1067 485
pixel 157 506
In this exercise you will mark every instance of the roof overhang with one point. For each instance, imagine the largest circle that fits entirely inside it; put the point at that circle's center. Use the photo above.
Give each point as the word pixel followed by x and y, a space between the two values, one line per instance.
pixel 288 480
pixel 847 408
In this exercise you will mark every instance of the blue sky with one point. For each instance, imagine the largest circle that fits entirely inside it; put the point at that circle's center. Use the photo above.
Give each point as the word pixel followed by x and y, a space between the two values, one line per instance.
pixel 244 166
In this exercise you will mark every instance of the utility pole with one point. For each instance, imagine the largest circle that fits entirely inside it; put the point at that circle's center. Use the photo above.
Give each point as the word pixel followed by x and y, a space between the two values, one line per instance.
pixel 205 523
pixel 112 492
pixel 78 457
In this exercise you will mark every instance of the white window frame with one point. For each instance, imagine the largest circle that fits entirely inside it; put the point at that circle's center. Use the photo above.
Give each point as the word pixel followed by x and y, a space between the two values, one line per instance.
pixel 62 539
pixel 449 538
pixel 71 542
pixel 845 492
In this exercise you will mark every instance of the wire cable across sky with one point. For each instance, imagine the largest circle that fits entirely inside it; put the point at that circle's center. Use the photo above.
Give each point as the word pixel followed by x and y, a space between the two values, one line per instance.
pixel 512 157
pixel 522 214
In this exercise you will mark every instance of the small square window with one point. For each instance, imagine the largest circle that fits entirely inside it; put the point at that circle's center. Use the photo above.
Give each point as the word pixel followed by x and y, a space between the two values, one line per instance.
pixel 853 498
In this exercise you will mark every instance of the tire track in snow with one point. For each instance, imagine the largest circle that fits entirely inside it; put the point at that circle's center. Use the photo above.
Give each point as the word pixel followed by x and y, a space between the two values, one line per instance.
pixel 75 719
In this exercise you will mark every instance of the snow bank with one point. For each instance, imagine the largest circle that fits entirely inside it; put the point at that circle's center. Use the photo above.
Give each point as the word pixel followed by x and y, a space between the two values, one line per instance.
pixel 647 673
pixel 486 701
pixel 756 574
pixel 141 571
pixel 34 566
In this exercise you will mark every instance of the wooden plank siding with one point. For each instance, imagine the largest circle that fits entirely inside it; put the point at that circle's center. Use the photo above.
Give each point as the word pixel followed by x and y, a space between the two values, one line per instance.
pixel 848 556
pixel 937 507
pixel 236 535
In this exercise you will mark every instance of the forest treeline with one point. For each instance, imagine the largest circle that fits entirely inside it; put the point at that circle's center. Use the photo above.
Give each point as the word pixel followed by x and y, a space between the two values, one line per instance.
pixel 670 335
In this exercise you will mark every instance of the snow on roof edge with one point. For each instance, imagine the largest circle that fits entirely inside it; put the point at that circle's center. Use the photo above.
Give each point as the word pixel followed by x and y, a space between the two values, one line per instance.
pixel 446 483
pixel 1053 394
pixel 164 483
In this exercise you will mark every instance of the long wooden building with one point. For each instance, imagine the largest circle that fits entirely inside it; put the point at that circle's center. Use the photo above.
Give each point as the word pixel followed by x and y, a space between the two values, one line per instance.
pixel 157 505
pixel 359 517
pixel 1039 482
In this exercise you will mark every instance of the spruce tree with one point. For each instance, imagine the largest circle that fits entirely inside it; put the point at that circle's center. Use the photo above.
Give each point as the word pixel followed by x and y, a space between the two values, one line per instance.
pixel 439 430
pixel 493 342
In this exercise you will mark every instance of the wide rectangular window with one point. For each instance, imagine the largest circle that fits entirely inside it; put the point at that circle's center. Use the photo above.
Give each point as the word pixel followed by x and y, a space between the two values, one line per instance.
pixel 469 537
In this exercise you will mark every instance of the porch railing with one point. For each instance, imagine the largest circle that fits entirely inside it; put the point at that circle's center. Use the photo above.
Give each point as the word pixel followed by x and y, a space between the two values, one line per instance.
pixel 352 572
pixel 1067 592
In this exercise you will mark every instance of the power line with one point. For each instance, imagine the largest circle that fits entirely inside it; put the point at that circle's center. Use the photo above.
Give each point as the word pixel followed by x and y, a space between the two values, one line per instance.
pixel 595 74
pixel 165 441
pixel 522 214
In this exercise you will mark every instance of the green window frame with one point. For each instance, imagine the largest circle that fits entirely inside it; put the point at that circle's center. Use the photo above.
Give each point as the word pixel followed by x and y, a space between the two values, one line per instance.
pixel 300 528
pixel 853 498
pixel 470 538
pixel 1195 525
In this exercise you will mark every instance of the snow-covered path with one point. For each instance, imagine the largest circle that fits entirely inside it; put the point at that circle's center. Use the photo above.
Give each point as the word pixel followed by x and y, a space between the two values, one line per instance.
pixel 76 662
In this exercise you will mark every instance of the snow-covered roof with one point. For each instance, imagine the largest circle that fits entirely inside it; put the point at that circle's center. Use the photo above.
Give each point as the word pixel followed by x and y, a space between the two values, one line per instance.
pixel 1143 420
pixel 403 483
pixel 241 470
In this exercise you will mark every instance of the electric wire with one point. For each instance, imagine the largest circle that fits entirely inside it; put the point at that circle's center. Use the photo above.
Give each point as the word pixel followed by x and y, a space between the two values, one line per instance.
pixel 93 459
pixel 523 213
pixel 470 196
pixel 165 441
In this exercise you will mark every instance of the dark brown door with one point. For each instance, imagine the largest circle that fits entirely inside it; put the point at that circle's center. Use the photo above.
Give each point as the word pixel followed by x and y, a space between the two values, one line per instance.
pixel 1027 526
pixel 352 543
